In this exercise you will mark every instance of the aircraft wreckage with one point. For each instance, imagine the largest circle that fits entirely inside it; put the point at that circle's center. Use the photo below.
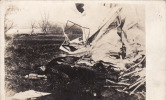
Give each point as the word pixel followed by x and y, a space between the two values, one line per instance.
pixel 118 43
pixel 112 50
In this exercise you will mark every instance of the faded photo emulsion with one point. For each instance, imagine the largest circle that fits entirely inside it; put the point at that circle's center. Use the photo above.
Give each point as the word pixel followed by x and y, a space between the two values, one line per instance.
pixel 74 51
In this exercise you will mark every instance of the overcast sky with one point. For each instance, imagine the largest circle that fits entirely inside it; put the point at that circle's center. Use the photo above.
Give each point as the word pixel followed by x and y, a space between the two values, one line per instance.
pixel 58 12
pixel 32 10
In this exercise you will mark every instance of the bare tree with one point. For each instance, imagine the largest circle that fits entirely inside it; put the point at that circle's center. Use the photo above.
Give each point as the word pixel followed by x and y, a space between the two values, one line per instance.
pixel 33 26
pixel 8 24
pixel 44 24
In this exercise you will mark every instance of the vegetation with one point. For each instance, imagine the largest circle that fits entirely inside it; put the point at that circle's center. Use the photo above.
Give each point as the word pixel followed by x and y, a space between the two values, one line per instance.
pixel 9 24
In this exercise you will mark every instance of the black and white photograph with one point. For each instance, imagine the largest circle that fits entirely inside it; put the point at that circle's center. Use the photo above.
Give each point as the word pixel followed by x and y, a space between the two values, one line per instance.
pixel 74 50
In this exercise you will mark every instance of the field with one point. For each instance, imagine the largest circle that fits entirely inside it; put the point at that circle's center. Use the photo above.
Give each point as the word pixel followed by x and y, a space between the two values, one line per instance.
pixel 24 52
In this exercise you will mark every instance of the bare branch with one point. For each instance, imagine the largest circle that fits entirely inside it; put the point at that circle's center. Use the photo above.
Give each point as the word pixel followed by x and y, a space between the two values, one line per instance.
pixel 8 27
pixel 44 24
pixel 9 24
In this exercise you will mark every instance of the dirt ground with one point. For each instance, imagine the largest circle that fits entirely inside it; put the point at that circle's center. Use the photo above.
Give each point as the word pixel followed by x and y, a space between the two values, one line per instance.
pixel 24 52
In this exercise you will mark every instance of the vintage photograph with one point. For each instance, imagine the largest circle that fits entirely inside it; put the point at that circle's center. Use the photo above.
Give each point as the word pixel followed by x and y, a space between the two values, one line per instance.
pixel 74 51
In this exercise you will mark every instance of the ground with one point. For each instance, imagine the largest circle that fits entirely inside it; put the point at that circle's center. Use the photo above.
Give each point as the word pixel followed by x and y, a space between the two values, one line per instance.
pixel 24 52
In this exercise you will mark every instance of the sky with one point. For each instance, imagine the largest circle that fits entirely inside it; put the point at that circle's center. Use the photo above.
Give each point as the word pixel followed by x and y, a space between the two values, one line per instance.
pixel 32 11
pixel 59 12
pixel 94 15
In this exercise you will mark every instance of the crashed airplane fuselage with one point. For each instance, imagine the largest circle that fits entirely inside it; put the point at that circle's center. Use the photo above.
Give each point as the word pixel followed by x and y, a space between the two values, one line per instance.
pixel 116 36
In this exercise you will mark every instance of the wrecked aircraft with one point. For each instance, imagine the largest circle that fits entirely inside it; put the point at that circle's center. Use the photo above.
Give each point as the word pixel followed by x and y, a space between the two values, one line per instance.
pixel 118 38
pixel 111 47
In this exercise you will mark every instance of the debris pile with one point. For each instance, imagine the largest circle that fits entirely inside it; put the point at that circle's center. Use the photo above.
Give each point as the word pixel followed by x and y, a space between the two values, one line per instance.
pixel 114 53
pixel 118 47
pixel 131 79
